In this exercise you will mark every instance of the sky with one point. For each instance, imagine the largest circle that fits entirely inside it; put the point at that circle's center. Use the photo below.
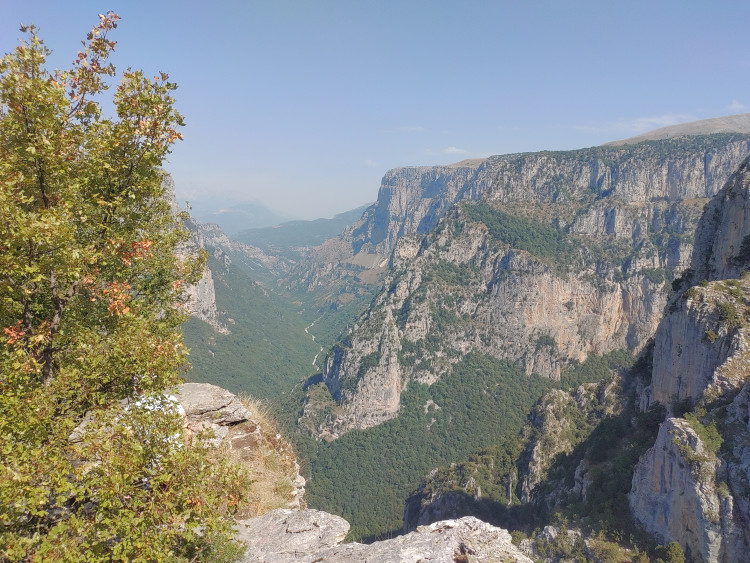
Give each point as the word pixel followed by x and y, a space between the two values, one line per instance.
pixel 304 105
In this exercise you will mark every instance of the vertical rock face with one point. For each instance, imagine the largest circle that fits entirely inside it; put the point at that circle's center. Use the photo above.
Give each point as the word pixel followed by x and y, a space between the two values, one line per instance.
pixel 412 200
pixel 722 243
pixel 201 297
pixel 736 452
pixel 692 486
pixel 566 255
pixel 202 302
pixel 680 494
pixel 699 346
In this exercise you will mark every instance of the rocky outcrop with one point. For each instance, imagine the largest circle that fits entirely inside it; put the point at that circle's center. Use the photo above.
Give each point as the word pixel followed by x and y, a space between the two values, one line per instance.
pixel 736 452
pixel 290 536
pixel 208 407
pixel 234 429
pixel 413 199
pixel 310 536
pixel 680 494
pixel 558 423
pixel 701 348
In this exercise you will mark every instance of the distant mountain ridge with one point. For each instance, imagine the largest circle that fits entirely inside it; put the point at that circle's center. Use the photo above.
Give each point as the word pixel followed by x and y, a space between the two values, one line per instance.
pixel 234 216
pixel 288 236
pixel 727 124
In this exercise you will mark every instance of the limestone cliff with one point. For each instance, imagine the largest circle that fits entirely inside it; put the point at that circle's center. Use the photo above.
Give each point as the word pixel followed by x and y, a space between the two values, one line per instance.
pixel 722 242
pixel 202 302
pixel 701 346
pixel 680 494
pixel 691 487
pixel 227 253
pixel 413 199
pixel 566 254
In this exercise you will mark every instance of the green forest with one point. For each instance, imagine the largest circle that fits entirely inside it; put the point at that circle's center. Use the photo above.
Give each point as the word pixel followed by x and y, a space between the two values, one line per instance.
pixel 366 475
pixel 267 351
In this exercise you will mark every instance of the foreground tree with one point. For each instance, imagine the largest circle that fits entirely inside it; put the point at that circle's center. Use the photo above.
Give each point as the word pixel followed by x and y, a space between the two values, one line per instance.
pixel 90 288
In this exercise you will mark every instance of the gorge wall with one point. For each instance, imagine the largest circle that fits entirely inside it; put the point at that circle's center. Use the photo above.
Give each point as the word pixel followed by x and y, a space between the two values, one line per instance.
pixel 547 258
pixel 691 486
pixel 689 482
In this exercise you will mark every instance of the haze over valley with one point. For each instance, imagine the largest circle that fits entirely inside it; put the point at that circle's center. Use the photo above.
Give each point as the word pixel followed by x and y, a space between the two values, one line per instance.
pixel 395 282
pixel 475 315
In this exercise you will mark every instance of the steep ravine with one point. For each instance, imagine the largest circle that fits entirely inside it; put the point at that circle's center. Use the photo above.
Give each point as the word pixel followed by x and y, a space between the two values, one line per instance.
pixel 672 456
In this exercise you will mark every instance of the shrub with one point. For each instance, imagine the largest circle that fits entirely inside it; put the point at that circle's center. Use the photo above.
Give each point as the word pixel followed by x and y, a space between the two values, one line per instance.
pixel 729 315
pixel 671 553
pixel 92 284
pixel 709 434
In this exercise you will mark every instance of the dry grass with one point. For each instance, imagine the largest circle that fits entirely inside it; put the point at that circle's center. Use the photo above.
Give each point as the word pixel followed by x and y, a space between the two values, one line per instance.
pixel 269 459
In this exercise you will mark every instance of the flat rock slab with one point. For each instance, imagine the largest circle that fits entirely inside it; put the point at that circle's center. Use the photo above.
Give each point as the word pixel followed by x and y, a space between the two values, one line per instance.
pixel 311 536
pixel 286 536
pixel 209 404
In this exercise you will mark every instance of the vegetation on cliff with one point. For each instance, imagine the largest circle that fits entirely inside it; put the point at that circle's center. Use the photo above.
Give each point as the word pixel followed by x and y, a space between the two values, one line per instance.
pixel 91 283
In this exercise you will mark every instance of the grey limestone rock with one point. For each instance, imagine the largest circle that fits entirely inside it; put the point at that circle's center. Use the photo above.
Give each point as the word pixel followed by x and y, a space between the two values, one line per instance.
pixel 208 407
pixel 283 535
pixel 699 354
pixel 677 497
pixel 307 536
pixel 202 302
pixel 209 404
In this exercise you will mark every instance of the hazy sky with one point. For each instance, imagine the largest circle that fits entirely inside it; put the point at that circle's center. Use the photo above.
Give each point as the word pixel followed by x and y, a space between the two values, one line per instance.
pixel 304 105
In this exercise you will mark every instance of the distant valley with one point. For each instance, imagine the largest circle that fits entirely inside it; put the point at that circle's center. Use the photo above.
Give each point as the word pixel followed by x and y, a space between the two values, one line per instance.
pixel 467 299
